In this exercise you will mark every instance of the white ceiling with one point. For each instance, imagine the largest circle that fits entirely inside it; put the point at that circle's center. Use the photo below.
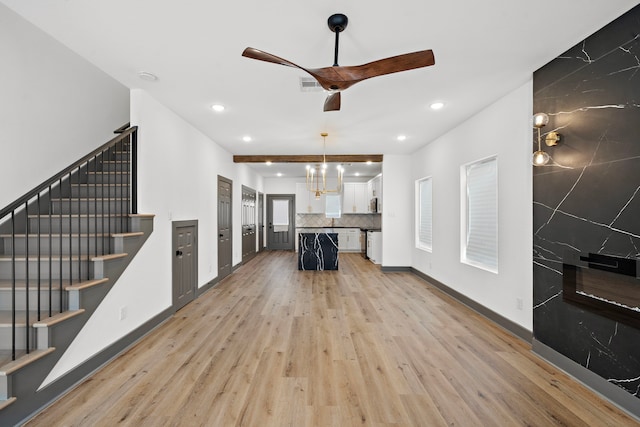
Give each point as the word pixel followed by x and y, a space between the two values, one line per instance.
pixel 483 50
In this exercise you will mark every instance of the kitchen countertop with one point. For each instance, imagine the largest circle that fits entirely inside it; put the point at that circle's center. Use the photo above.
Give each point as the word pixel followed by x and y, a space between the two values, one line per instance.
pixel 328 226
pixel 359 228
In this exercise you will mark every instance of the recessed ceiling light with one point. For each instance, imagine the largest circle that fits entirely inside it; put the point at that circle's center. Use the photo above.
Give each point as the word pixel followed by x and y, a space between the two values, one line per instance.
pixel 147 76
pixel 437 105
pixel 357 174
pixel 246 138
pixel 279 174
pixel 369 162
pixel 218 108
pixel 268 162
pixel 401 137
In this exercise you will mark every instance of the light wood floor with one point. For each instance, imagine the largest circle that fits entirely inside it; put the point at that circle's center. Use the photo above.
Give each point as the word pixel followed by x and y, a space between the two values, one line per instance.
pixel 272 346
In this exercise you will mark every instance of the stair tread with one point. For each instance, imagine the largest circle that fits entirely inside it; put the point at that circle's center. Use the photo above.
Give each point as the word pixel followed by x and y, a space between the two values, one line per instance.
pixel 86 284
pixel 57 318
pixel 129 234
pixel 24 360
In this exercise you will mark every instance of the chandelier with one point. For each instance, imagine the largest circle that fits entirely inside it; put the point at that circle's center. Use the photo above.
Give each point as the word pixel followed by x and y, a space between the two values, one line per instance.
pixel 317 184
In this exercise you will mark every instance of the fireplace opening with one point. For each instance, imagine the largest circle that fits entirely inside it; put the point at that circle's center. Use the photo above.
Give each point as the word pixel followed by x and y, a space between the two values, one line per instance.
pixel 605 284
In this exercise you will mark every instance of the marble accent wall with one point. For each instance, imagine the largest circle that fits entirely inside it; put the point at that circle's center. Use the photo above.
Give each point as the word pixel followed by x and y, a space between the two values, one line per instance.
pixel 587 199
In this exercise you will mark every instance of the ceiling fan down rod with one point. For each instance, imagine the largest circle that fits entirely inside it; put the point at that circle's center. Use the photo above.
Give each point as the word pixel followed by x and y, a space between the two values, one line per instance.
pixel 337 23
pixel 335 53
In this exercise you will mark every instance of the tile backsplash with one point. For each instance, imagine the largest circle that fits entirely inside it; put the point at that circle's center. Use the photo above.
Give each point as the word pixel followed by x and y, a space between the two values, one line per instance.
pixel 351 220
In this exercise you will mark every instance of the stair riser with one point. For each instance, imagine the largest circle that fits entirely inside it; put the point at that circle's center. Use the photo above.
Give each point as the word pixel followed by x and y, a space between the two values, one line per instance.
pixel 107 178
pixel 84 225
pixel 100 191
pixel 89 206
pixel 70 269
pixel 57 245
pixel 21 337
pixel 21 300
pixel 119 166
pixel 121 156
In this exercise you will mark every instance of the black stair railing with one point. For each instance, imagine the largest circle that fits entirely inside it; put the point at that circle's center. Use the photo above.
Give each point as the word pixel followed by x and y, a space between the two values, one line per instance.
pixel 50 234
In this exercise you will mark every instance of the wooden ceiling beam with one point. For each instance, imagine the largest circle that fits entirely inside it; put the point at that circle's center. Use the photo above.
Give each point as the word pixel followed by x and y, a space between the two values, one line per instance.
pixel 310 158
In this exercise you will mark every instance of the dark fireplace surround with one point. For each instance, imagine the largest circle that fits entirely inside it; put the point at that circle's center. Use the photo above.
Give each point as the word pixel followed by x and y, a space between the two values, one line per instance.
pixel 606 285
pixel 586 212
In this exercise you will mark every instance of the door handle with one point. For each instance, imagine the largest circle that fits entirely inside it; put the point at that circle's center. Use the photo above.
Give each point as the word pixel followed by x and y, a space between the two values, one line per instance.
pixel 178 253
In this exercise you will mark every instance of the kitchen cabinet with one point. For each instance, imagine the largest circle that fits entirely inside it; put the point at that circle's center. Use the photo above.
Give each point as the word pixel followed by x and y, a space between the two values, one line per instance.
pixel 353 239
pixel 374 246
pixel 348 239
pixel 306 201
pixel 355 198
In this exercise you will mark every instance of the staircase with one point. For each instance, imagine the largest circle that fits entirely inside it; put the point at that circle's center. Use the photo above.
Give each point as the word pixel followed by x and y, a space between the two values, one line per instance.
pixel 62 247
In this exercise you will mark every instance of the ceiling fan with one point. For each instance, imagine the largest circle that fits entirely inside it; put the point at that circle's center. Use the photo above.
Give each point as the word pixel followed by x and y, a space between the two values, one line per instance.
pixel 338 78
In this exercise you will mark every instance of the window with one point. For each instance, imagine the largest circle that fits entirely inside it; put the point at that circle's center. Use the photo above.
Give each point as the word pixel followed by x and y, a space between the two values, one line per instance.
pixel 280 215
pixel 479 204
pixel 423 213
pixel 333 208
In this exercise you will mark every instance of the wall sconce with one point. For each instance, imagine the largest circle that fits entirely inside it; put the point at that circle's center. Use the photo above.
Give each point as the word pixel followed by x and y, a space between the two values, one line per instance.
pixel 540 157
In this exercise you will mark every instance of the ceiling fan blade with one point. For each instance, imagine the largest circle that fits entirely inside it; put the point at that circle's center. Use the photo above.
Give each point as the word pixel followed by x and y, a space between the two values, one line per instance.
pixel 332 103
pixel 264 56
pixel 395 64
pixel 267 57
pixel 340 78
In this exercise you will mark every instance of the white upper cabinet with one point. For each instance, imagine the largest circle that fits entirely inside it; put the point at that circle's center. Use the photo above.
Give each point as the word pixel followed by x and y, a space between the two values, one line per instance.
pixel 355 199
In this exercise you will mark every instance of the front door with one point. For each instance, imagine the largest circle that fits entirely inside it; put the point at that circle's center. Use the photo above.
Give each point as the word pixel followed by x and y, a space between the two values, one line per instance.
pixel 225 254
pixel 280 222
pixel 185 259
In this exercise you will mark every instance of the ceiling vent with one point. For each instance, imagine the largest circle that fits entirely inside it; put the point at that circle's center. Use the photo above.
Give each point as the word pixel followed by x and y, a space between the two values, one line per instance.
pixel 309 84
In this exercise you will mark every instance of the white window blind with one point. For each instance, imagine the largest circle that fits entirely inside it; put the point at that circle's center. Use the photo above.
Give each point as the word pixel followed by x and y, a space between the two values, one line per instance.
pixel 333 207
pixel 481 244
pixel 424 214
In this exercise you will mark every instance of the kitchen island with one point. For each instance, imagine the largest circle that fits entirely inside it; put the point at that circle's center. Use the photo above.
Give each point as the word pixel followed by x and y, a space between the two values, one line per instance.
pixel 317 251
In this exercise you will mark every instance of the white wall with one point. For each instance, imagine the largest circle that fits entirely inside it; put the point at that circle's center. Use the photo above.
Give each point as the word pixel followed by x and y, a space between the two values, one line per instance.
pixel 178 172
pixel 55 107
pixel 502 129
pixel 281 185
pixel 397 211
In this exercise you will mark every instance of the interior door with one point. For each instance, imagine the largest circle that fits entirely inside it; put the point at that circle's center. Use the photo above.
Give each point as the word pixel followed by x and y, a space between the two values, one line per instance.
pixel 280 222
pixel 185 261
pixel 260 222
pixel 225 225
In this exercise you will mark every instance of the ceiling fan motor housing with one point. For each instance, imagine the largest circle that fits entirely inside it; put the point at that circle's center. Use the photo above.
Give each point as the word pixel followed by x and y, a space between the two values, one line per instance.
pixel 337 22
